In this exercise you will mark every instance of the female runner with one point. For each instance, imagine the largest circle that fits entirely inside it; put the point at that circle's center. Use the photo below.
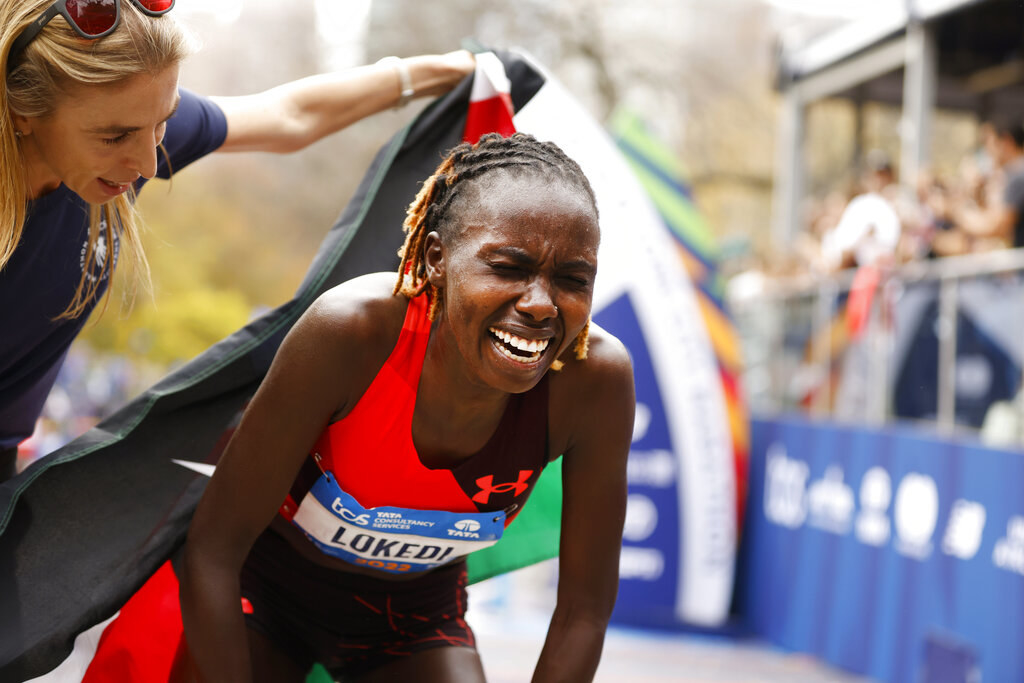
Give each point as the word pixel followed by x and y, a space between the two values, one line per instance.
pixel 403 424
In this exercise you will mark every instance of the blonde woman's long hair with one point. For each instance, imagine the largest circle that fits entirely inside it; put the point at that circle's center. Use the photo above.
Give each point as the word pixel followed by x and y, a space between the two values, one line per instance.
pixel 57 60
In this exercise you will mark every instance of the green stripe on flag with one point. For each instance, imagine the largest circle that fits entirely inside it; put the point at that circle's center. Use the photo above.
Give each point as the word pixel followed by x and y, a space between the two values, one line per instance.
pixel 531 537
pixel 319 675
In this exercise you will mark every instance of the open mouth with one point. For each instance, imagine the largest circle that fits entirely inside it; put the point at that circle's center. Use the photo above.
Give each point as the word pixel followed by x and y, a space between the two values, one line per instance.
pixel 519 349
pixel 116 186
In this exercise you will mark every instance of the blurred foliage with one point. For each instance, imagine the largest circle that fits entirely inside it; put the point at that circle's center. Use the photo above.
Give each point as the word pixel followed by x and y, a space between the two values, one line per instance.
pixel 214 259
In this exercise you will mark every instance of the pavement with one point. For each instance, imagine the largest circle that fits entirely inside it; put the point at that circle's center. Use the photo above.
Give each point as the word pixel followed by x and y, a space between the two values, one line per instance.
pixel 510 614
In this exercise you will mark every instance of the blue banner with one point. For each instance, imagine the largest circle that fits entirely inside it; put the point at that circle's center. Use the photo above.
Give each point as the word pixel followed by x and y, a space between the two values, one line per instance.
pixel 649 568
pixel 888 553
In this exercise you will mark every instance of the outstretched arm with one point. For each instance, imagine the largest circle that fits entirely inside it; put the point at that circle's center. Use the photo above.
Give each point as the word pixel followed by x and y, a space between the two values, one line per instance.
pixel 294 115
pixel 593 512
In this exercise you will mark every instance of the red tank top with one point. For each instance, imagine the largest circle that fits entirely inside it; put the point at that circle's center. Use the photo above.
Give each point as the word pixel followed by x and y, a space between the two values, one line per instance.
pixel 371 452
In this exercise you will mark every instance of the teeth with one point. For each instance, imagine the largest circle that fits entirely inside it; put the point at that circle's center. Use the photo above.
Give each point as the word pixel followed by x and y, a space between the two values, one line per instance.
pixel 534 347
pixel 519 359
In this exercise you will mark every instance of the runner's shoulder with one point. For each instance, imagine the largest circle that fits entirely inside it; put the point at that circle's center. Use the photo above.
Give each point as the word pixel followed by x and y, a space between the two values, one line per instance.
pixel 360 311
pixel 606 372
pixel 607 364
pixel 593 395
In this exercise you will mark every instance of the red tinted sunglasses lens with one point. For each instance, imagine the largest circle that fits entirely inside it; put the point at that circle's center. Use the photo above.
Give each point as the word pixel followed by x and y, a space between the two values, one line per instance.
pixel 156 5
pixel 93 17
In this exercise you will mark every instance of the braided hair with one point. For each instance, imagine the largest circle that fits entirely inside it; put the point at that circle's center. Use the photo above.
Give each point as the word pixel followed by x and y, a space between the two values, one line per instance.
pixel 520 155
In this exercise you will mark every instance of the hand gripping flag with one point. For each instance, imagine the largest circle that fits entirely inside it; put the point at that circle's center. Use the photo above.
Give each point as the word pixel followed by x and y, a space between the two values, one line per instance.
pixel 85 527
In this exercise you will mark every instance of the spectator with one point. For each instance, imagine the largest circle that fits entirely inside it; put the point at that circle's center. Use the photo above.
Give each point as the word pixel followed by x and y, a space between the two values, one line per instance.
pixel 821 217
pixel 1001 224
pixel 869 229
pixel 935 233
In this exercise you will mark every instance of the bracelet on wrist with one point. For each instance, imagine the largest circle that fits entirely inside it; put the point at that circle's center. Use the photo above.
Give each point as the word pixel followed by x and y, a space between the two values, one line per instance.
pixel 405 88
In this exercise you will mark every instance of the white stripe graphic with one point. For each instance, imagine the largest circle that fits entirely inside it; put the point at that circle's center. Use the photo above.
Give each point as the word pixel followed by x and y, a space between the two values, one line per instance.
pixel 200 467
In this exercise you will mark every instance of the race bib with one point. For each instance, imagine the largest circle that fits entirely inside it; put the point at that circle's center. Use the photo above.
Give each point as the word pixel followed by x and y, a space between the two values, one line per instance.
pixel 391 539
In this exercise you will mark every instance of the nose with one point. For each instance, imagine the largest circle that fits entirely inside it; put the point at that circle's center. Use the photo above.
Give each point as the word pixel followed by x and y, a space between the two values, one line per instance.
pixel 537 300
pixel 142 158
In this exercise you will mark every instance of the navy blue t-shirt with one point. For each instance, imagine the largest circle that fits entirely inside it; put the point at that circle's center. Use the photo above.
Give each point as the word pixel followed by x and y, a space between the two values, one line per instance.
pixel 40 280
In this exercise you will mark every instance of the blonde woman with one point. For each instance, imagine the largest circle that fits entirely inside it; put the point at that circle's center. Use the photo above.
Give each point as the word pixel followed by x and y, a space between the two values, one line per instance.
pixel 92 109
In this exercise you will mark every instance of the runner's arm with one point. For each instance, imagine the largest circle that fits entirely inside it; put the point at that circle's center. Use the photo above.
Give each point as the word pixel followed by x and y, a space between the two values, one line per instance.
pixel 593 512
pixel 294 115
pixel 310 379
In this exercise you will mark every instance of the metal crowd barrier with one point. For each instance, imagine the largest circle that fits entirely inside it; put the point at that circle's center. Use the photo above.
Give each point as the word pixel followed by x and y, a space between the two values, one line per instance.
pixel 788 329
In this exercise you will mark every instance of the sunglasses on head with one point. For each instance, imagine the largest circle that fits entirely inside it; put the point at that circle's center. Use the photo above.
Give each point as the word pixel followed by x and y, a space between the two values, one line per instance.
pixel 90 19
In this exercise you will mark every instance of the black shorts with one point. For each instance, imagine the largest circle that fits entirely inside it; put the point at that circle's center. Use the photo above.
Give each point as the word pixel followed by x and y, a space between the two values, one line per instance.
pixel 349 623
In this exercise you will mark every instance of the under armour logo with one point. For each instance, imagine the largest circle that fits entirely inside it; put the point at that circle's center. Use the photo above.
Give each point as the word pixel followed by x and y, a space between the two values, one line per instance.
pixel 487 487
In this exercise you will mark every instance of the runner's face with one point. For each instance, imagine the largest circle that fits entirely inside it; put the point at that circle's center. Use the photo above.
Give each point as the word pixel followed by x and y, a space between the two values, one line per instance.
pixel 518 277
pixel 100 139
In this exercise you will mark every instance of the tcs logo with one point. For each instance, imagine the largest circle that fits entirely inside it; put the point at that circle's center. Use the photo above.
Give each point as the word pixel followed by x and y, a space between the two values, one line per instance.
pixel 487 486
pixel 348 515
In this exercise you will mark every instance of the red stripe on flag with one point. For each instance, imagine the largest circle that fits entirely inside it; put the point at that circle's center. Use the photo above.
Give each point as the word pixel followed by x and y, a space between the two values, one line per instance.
pixel 493 115
pixel 140 645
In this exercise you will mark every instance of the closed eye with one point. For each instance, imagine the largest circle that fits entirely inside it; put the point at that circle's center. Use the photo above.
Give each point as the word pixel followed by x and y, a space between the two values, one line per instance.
pixel 576 278
pixel 116 139
pixel 507 269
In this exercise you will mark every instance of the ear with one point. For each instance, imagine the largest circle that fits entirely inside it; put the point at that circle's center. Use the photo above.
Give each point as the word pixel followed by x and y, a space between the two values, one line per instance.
pixel 22 124
pixel 434 259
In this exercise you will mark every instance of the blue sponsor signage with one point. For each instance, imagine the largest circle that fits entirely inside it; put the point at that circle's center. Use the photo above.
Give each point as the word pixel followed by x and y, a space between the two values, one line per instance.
pixel 886 552
pixel 649 572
